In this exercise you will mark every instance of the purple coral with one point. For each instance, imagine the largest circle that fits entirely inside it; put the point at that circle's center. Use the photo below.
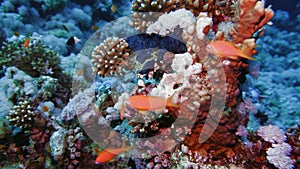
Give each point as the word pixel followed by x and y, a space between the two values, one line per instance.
pixel 278 156
pixel 271 134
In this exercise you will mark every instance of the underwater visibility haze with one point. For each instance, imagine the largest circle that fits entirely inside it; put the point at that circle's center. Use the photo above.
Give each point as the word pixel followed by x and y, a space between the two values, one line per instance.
pixel 149 84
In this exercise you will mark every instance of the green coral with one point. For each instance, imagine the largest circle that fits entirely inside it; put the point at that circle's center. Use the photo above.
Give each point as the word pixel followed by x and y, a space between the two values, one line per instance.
pixel 36 59
pixel 47 86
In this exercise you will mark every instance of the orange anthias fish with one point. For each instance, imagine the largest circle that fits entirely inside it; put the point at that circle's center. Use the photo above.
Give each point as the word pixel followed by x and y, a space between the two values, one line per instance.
pixel 95 27
pixel 227 49
pixel 26 42
pixel 114 8
pixel 122 112
pixel 148 103
pixel 108 155
pixel 144 103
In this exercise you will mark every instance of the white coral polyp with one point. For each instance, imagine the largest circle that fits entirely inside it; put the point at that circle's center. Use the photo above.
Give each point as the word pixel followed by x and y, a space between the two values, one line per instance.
pixel 181 62
pixel 195 68
pixel 168 22
pixel 183 69
pixel 202 22
pixel 278 156
pixel 271 134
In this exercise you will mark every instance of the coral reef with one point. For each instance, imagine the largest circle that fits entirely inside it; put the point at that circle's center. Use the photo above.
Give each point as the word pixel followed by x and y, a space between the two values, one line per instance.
pixel 36 59
pixel 153 9
pixel 149 82
pixel 198 32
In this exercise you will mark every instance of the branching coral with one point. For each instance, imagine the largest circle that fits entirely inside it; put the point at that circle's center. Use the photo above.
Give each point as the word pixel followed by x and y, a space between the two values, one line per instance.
pixel 22 115
pixel 141 20
pixel 108 55
pixel 153 6
pixel 250 16
pixel 36 59
pixel 47 86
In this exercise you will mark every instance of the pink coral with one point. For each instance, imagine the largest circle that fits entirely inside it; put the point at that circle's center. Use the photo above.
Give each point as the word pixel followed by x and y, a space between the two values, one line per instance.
pixel 271 133
pixel 246 107
pixel 278 156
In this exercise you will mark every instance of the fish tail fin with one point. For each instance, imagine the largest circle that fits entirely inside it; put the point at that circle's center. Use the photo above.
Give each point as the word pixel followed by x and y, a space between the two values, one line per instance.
pixel 247 52
pixel 126 147
pixel 123 144
pixel 122 112
pixel 170 102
